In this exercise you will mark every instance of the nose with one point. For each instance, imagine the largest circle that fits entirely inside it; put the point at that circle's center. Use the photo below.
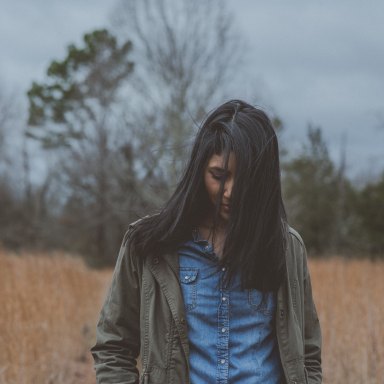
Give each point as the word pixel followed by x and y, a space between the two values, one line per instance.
pixel 228 189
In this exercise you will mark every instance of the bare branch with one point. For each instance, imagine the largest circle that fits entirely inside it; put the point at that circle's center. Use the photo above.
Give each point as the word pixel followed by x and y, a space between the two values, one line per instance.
pixel 185 53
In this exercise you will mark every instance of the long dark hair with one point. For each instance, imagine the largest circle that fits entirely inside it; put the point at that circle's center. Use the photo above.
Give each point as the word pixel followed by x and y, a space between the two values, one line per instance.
pixel 256 230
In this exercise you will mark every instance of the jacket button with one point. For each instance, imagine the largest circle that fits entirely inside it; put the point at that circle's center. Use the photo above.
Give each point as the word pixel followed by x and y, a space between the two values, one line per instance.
pixel 155 260
pixel 182 321
pixel 282 315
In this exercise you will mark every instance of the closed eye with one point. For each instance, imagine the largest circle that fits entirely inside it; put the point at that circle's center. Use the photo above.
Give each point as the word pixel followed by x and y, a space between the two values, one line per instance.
pixel 218 176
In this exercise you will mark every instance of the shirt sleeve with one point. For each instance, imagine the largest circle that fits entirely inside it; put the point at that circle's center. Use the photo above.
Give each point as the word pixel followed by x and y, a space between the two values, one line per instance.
pixel 118 330
pixel 312 331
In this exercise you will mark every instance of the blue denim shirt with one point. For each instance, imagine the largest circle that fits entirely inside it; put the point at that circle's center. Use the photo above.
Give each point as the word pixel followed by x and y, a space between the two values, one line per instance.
pixel 231 332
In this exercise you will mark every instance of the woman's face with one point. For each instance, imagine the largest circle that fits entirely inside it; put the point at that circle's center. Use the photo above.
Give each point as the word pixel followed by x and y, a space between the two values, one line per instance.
pixel 213 175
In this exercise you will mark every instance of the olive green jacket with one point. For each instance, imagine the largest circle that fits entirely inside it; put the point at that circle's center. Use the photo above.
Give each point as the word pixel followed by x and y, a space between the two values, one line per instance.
pixel 144 314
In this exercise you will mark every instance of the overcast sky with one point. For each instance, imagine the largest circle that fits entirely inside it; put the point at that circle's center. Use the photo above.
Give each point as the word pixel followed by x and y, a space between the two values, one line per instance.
pixel 319 62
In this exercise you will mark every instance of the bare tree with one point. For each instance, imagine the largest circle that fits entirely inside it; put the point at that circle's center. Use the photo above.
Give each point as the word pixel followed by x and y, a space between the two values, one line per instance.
pixel 6 201
pixel 7 112
pixel 187 55
pixel 16 200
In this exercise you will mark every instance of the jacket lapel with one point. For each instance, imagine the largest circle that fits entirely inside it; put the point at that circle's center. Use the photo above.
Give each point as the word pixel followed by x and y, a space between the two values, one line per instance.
pixel 165 270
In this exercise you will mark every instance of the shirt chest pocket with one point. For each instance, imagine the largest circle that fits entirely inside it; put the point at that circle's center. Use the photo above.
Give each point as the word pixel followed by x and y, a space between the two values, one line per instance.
pixel 189 283
pixel 264 304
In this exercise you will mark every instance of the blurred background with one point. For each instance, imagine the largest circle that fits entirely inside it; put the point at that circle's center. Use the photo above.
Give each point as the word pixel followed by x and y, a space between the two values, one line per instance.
pixel 99 105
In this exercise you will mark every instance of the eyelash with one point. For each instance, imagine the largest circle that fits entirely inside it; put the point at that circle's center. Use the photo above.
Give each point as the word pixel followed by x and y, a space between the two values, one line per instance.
pixel 218 177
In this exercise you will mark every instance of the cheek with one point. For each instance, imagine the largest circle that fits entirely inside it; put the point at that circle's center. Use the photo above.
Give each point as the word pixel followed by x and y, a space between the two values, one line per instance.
pixel 212 187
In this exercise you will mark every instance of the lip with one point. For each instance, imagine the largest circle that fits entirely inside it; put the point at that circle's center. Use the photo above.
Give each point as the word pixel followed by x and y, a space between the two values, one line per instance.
pixel 226 206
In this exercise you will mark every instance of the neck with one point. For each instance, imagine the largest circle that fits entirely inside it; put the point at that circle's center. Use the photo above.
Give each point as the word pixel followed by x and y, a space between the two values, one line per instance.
pixel 215 235
pixel 218 229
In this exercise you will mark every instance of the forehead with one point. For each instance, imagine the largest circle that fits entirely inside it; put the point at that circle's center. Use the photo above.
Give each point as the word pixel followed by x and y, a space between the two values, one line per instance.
pixel 218 161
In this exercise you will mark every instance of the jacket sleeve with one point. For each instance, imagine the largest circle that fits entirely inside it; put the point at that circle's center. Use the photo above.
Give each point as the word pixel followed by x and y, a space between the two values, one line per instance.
pixel 312 331
pixel 118 330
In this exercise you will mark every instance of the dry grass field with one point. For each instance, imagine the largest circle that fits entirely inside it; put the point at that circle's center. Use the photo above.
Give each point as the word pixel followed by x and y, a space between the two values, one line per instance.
pixel 49 307
pixel 350 301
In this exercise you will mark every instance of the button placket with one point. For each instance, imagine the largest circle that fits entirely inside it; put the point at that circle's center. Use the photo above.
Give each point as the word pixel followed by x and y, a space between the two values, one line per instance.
pixel 223 336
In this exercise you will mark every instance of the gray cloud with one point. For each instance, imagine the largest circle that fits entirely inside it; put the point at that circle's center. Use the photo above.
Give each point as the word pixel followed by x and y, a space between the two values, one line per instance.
pixel 311 61
pixel 321 62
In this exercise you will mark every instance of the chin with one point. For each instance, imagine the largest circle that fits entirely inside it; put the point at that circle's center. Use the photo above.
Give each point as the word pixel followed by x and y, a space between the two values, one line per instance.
pixel 224 216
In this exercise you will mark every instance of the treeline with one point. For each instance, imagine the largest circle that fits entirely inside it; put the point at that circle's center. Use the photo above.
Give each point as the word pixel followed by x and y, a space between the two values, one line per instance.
pixel 114 121
pixel 334 215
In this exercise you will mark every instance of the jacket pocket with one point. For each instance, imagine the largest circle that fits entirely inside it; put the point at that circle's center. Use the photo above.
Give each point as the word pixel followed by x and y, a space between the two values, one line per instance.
pixel 298 373
pixel 189 281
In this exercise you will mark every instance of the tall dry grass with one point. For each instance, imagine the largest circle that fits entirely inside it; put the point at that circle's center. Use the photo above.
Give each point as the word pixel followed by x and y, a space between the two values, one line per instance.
pixel 350 303
pixel 49 307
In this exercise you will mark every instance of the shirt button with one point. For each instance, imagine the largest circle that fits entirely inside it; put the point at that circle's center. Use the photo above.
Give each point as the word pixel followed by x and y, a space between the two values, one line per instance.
pixel 222 361
pixel 224 298
pixel 223 329
pixel 186 277
pixel 206 247
pixel 223 269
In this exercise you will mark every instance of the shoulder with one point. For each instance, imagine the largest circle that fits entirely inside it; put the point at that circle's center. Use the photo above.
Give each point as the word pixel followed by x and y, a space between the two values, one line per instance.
pixel 296 256
pixel 294 236
pixel 128 257
pixel 296 251
pixel 132 227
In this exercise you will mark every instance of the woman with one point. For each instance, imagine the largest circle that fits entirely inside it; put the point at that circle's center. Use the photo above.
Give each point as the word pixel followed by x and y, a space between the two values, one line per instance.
pixel 215 288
